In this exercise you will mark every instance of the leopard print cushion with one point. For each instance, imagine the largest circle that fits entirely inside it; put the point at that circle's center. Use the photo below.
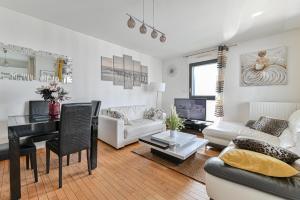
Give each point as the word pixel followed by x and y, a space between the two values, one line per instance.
pixel 153 114
pixel 118 115
pixel 270 125
pixel 250 123
pixel 267 149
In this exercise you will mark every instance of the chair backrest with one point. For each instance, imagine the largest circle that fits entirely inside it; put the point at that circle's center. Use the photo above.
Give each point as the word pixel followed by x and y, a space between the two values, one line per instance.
pixel 96 108
pixel 75 127
pixel 38 108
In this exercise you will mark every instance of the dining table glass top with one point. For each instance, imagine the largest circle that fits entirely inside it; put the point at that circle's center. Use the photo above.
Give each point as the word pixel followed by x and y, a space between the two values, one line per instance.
pixel 20 120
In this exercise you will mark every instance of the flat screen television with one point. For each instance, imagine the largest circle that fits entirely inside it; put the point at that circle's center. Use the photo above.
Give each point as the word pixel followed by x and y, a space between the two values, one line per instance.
pixel 191 109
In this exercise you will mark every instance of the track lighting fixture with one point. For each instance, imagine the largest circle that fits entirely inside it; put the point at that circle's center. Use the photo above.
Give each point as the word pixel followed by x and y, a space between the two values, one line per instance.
pixel 143 28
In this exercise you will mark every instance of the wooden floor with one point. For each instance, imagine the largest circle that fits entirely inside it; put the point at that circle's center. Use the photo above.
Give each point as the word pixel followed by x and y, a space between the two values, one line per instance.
pixel 121 174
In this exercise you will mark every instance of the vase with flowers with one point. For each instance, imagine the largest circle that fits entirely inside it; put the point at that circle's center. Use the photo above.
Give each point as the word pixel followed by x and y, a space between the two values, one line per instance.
pixel 174 122
pixel 54 94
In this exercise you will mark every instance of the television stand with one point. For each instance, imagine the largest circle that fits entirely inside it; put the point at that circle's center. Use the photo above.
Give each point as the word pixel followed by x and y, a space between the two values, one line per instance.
pixel 195 126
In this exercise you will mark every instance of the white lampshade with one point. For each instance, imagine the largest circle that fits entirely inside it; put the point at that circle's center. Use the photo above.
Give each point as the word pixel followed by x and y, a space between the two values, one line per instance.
pixel 158 87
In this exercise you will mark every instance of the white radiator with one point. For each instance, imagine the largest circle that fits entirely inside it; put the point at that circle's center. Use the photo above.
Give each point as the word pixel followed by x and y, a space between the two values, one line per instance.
pixel 279 110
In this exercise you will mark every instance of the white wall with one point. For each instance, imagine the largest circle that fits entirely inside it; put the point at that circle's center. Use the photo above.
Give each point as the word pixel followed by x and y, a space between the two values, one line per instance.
pixel 236 97
pixel 86 53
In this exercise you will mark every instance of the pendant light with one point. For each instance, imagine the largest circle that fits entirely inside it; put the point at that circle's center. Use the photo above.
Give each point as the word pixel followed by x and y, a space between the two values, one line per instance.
pixel 143 28
pixel 154 32
pixel 163 38
pixel 131 23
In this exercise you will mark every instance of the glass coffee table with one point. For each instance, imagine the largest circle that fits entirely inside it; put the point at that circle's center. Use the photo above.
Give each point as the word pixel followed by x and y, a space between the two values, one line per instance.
pixel 177 149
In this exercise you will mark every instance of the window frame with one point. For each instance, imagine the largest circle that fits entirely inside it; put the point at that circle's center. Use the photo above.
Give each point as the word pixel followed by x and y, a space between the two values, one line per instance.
pixel 191 66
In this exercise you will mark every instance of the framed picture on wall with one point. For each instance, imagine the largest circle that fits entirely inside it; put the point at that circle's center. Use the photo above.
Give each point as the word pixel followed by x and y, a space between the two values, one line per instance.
pixel 137 73
pixel 107 71
pixel 128 72
pixel 264 67
pixel 118 70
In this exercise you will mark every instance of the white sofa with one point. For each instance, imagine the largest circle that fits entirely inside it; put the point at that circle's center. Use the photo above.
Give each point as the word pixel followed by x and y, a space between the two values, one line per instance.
pixel 221 133
pixel 114 132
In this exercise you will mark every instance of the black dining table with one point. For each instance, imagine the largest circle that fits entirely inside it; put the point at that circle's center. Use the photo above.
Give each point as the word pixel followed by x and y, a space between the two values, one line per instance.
pixel 34 125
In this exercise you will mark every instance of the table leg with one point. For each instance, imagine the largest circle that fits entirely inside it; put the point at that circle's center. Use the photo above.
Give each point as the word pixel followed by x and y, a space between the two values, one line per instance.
pixel 14 166
pixel 94 144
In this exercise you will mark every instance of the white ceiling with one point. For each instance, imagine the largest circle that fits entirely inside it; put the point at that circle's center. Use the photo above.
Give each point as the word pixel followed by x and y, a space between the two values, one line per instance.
pixel 189 24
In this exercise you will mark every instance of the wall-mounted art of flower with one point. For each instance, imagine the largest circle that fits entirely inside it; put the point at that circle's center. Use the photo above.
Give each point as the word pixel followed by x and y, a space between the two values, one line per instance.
pixel 265 67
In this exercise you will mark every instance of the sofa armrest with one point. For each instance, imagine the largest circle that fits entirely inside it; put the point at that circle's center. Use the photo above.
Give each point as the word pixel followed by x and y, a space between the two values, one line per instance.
pixel 111 131
pixel 287 188
pixel 164 116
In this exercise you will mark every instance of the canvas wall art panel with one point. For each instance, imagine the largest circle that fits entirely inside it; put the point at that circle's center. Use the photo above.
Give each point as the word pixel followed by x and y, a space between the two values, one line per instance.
pixel 128 72
pixel 137 73
pixel 118 70
pixel 124 71
pixel 107 69
pixel 264 67
pixel 144 74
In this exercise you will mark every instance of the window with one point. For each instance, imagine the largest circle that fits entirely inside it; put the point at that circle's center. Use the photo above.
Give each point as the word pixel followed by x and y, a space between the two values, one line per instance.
pixel 203 77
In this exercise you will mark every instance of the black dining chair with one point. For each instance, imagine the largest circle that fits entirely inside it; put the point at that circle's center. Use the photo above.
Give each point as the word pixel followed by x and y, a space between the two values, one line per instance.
pixel 74 134
pixel 28 149
pixel 40 108
pixel 96 105
pixel 96 108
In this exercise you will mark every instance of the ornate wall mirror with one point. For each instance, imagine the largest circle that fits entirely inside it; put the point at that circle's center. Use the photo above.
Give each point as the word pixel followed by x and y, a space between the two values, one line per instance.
pixel 24 64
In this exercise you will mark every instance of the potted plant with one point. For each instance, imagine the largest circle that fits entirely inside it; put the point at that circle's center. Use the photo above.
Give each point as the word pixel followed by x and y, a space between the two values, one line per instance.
pixel 54 94
pixel 174 122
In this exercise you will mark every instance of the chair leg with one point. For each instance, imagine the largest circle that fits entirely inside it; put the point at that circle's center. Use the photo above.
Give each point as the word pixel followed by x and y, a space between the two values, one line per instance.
pixel 88 161
pixel 34 165
pixel 79 156
pixel 60 172
pixel 68 159
pixel 27 161
pixel 47 160
pixel 31 161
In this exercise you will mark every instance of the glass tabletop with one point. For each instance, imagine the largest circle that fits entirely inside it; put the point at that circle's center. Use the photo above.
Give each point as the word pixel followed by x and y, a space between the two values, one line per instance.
pixel 180 138
pixel 20 120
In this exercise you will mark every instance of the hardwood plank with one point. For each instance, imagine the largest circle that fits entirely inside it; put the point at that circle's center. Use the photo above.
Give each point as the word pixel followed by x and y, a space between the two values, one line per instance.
pixel 121 175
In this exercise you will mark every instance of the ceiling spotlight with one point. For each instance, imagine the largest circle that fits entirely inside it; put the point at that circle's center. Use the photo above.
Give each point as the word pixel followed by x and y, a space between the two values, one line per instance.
pixel 154 34
pixel 131 22
pixel 143 29
pixel 257 14
pixel 163 38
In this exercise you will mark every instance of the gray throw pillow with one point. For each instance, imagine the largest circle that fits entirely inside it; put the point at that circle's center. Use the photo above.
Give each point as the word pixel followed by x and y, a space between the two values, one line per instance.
pixel 270 125
pixel 267 149
pixel 250 123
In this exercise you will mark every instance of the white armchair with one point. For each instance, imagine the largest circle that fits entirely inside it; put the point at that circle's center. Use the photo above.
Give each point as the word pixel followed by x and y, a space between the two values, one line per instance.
pixel 114 132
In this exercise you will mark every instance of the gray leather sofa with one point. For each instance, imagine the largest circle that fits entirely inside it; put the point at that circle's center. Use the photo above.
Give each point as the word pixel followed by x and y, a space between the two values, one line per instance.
pixel 225 182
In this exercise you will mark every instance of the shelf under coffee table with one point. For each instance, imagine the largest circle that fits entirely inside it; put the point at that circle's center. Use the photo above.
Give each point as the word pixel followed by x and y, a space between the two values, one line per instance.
pixel 173 149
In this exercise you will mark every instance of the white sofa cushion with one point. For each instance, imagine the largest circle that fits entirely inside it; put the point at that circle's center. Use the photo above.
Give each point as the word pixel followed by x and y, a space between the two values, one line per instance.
pixel 142 127
pixel 132 112
pixel 230 130
pixel 224 130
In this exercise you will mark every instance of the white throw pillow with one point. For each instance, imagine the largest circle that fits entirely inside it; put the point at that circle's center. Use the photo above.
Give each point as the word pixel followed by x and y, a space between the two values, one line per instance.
pixel 287 139
pixel 153 114
pixel 294 122
pixel 294 125
pixel 118 115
